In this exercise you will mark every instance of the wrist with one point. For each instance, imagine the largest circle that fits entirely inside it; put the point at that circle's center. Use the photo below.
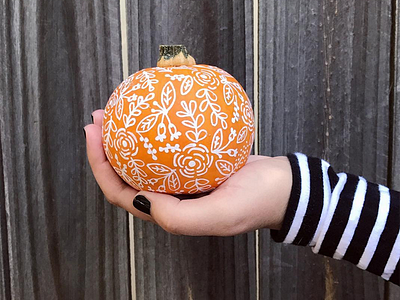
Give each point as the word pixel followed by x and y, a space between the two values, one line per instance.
pixel 281 173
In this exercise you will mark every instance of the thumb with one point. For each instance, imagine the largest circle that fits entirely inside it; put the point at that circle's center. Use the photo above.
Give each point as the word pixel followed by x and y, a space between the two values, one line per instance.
pixel 196 217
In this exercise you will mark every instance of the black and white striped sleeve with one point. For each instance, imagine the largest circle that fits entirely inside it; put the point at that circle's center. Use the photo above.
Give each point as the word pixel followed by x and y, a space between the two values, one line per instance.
pixel 342 216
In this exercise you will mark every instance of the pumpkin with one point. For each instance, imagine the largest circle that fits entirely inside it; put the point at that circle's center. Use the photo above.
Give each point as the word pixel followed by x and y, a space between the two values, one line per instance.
pixel 178 128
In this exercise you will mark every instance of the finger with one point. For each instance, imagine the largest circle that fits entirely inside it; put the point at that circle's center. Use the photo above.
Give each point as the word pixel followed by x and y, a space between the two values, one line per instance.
pixel 108 180
pixel 195 217
pixel 94 145
pixel 98 116
pixel 114 188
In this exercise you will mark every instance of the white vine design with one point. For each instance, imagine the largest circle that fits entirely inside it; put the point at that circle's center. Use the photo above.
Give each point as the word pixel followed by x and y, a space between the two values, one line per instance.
pixel 168 97
pixel 209 98
pixel 195 122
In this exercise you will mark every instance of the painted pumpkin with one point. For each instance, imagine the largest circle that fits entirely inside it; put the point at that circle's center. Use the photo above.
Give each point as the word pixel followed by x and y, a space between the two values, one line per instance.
pixel 178 128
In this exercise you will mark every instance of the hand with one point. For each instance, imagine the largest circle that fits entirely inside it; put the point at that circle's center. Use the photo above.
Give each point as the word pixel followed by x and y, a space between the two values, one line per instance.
pixel 254 197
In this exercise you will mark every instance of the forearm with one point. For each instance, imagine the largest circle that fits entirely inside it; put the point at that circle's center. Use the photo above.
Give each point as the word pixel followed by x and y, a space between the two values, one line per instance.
pixel 343 216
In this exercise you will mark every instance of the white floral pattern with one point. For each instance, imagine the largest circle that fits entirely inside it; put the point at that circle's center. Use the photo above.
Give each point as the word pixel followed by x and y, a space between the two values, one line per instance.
pixel 178 129
pixel 125 143
pixel 193 161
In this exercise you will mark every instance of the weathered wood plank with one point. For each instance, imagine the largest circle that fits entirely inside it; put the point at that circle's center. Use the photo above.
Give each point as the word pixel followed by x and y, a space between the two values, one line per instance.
pixel 5 288
pixel 291 113
pixel 393 291
pixel 324 85
pixel 60 60
pixel 358 109
pixel 217 33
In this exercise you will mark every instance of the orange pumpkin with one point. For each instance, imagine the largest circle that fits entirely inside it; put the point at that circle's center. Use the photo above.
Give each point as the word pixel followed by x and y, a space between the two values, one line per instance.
pixel 178 128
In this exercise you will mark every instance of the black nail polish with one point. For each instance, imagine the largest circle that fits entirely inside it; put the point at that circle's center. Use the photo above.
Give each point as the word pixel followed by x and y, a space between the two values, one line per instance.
pixel 141 203
pixel 84 132
pixel 92 118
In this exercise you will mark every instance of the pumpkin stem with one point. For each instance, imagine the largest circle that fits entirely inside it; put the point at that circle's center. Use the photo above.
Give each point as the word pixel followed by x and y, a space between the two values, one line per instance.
pixel 174 56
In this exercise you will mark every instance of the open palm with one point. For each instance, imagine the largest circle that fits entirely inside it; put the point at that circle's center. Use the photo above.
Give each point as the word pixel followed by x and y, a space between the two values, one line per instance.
pixel 254 197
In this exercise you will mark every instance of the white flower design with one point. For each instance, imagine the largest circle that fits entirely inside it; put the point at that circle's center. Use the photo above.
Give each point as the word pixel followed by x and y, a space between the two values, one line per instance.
pixel 247 115
pixel 125 143
pixel 193 161
pixel 206 78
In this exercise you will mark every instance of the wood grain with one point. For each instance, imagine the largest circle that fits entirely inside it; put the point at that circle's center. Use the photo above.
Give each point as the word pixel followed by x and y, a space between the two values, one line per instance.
pixel 393 291
pixel 324 81
pixel 357 113
pixel 217 33
pixel 5 288
pixel 324 91
pixel 60 60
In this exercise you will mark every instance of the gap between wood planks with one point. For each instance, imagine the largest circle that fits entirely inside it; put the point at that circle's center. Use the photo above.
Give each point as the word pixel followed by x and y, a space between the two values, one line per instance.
pixel 125 74
pixel 392 107
pixel 256 121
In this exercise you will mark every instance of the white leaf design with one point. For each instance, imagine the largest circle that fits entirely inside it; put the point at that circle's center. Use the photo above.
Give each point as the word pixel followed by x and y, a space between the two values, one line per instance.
pixel 185 113
pixel 191 135
pixel 120 108
pixel 201 93
pixel 224 167
pixel 215 107
pixel 200 120
pixel 211 96
pixel 147 123
pixel 228 94
pixel 160 169
pixel 196 136
pixel 184 106
pixel 113 99
pixel 137 113
pixel 173 182
pixel 187 85
pixel 192 106
pixel 223 116
pixel 217 140
pixel 110 126
pixel 203 105
pixel 214 119
pixel 168 95
pixel 242 135
pixel 182 114
pixel 202 181
pixel 188 124
pixel 207 94
pixel 129 121
pixel 202 134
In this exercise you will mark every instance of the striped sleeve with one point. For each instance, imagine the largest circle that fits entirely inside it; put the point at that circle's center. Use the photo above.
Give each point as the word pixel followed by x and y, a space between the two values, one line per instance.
pixel 342 216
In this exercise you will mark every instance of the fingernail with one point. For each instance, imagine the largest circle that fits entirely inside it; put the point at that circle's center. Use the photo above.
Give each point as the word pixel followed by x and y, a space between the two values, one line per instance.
pixel 141 203
pixel 84 132
pixel 92 118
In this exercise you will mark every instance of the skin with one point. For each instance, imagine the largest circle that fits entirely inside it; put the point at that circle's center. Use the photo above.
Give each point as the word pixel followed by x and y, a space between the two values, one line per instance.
pixel 254 197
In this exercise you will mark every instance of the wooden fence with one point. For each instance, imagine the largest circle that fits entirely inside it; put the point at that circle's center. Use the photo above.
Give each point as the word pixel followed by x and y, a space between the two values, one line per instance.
pixel 323 76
